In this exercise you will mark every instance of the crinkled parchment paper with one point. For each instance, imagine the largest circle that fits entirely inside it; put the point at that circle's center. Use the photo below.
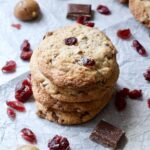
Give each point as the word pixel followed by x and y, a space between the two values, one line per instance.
pixel 135 120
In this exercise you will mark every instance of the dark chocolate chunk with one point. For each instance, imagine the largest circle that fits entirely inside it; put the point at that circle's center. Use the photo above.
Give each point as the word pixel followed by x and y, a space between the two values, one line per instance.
pixel 77 10
pixel 107 134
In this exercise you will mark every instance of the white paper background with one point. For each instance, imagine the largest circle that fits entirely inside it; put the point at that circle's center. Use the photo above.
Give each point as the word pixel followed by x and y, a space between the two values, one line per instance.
pixel 134 120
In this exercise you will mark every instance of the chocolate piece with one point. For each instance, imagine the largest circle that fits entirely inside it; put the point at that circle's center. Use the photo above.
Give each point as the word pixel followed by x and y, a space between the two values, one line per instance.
pixel 107 134
pixel 76 10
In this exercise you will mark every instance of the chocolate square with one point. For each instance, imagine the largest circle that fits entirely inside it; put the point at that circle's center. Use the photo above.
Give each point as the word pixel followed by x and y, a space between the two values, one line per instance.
pixel 76 10
pixel 107 134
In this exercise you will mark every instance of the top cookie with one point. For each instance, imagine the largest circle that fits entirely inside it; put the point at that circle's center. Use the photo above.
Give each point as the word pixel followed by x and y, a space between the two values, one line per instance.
pixel 76 56
pixel 141 11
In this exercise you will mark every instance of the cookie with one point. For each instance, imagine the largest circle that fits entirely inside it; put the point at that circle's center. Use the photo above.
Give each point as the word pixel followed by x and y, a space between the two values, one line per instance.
pixel 69 118
pixel 141 10
pixel 88 61
pixel 46 100
pixel 69 95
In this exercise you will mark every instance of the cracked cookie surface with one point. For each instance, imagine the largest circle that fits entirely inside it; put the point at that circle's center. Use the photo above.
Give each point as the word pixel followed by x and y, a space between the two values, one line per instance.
pixel 63 64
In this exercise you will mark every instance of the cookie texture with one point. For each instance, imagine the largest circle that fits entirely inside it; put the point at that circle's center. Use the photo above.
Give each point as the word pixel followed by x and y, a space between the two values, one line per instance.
pixel 63 64
pixel 73 74
pixel 69 118
pixel 46 100
pixel 66 94
pixel 141 10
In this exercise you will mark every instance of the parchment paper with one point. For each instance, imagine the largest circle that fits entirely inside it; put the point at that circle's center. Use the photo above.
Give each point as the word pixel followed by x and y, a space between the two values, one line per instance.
pixel 135 120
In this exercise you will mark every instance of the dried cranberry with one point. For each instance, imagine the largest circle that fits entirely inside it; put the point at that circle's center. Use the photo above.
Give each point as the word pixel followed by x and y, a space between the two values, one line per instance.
pixel 26 55
pixel 103 10
pixel 81 19
pixel 120 101
pixel 84 21
pixel 28 135
pixel 9 67
pixel 148 101
pixel 71 41
pixel 58 143
pixel 135 94
pixel 90 24
pixel 139 48
pixel 23 91
pixel 16 105
pixel 124 34
pixel 87 62
pixel 11 113
pixel 147 75
pixel 124 92
pixel 17 26
pixel 25 46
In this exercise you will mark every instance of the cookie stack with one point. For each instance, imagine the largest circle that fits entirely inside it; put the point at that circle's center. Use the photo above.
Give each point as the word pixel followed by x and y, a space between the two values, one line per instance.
pixel 74 71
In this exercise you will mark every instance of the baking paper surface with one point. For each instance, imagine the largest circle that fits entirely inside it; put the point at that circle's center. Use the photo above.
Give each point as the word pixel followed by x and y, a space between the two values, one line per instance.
pixel 135 120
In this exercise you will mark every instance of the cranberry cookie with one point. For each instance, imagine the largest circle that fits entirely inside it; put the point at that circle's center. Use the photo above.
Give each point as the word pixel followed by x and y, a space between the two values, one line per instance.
pixel 76 56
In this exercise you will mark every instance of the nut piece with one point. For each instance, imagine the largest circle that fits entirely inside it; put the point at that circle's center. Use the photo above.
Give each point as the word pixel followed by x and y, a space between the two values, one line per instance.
pixel 26 10
pixel 27 147
pixel 123 1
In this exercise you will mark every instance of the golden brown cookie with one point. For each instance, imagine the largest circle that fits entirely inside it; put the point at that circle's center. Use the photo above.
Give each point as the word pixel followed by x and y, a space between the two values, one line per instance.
pixel 46 100
pixel 69 118
pixel 141 10
pixel 88 62
pixel 70 95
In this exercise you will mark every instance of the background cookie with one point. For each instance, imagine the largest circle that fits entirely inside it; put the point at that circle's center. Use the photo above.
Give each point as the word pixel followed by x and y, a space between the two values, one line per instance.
pixel 141 10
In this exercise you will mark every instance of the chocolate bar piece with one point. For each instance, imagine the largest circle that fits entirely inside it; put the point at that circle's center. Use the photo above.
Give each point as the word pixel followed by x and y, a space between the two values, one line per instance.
pixel 77 10
pixel 107 135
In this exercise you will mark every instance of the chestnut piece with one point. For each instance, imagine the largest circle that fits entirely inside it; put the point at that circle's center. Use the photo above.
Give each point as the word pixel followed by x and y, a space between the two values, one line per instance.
pixel 27 10
pixel 123 1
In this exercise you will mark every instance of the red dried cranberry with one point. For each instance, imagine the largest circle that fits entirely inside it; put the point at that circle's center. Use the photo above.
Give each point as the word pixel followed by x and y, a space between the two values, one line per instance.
pixel 16 105
pixel 11 113
pixel 148 101
pixel 147 75
pixel 87 62
pixel 135 94
pixel 103 10
pixel 58 143
pixel 17 26
pixel 90 24
pixel 28 135
pixel 139 48
pixel 23 91
pixel 124 92
pixel 71 41
pixel 26 55
pixel 25 46
pixel 124 34
pixel 120 102
pixel 84 21
pixel 81 19
pixel 9 67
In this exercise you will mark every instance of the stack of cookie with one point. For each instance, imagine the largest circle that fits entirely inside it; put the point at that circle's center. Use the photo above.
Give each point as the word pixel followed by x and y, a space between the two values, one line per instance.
pixel 73 73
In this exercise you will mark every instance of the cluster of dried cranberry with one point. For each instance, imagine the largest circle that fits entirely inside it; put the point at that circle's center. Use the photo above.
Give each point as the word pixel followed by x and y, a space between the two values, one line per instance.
pixel 125 34
pixel 120 100
pixel 26 51
pixel 84 21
